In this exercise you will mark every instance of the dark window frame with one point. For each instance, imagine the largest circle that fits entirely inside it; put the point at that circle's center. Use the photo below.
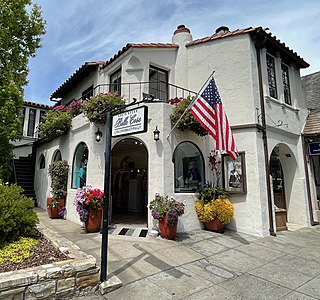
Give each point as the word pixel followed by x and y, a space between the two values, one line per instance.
pixel 202 171
pixel 87 93
pixel 115 81
pixel 31 125
pixel 162 88
pixel 286 84
pixel 86 148
pixel 272 78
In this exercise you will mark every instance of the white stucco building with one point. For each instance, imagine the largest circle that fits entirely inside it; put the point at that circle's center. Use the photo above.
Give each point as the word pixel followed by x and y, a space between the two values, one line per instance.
pixel 258 78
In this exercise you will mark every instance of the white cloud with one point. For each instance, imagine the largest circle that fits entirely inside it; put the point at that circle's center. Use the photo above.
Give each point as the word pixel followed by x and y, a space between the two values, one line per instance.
pixel 87 30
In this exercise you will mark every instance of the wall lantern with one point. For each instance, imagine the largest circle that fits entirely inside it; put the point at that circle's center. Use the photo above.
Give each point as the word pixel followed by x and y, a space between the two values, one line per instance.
pixel 98 135
pixel 156 134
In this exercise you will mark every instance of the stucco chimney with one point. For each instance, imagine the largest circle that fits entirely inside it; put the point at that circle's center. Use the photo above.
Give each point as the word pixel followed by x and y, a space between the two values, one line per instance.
pixel 182 35
pixel 222 29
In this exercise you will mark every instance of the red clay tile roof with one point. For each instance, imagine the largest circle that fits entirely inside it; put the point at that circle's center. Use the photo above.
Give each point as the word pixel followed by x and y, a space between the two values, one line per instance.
pixel 312 126
pixel 37 105
pixel 87 66
pixel 254 30
pixel 144 45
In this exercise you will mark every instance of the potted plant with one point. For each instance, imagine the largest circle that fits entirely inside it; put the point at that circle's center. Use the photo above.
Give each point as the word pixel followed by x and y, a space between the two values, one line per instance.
pixel 57 122
pixel 95 107
pixel 166 210
pixel 58 172
pixel 213 208
pixel 188 121
pixel 88 202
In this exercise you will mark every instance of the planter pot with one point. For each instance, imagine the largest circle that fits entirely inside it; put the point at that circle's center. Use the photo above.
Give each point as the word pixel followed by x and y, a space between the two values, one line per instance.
pixel 215 225
pixel 54 212
pixel 166 231
pixel 94 222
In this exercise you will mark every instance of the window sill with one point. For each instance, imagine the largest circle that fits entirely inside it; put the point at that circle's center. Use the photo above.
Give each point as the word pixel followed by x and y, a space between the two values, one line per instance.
pixel 280 103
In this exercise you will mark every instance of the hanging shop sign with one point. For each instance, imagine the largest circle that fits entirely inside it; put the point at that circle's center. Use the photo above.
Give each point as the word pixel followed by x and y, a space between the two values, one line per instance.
pixel 131 121
pixel 314 148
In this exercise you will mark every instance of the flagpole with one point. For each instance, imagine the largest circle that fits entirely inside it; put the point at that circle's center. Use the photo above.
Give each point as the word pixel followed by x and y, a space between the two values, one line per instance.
pixel 191 103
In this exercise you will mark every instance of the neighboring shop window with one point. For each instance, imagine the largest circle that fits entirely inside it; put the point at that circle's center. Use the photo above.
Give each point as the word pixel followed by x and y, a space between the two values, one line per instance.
pixel 79 168
pixel 115 82
pixel 42 162
pixel 57 156
pixel 23 115
pixel 32 122
pixel 42 114
pixel 188 168
pixel 158 83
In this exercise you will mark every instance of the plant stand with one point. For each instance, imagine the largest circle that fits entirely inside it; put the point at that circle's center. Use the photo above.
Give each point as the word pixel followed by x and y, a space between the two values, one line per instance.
pixel 215 225
pixel 94 222
pixel 166 231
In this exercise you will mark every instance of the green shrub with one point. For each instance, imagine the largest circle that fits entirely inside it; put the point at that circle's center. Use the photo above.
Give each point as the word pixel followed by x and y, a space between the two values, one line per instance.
pixel 17 217
pixel 95 107
pixel 56 123
pixel 59 178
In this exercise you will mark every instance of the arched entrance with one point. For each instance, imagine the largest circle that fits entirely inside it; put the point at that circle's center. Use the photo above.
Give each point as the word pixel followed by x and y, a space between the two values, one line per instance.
pixel 129 183
pixel 279 197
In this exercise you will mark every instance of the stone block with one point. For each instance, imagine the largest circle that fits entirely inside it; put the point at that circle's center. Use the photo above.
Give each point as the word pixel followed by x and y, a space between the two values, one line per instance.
pixel 68 271
pixel 54 273
pixel 66 294
pixel 85 264
pixel 87 272
pixel 16 280
pixel 13 294
pixel 63 284
pixel 110 285
pixel 42 290
pixel 85 281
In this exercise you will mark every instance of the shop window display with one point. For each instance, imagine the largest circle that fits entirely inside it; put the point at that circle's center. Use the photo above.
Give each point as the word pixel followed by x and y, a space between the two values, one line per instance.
pixel 188 168
pixel 79 171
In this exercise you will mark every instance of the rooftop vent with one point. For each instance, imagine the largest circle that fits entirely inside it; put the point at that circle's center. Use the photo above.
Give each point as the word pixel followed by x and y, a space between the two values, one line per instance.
pixel 222 29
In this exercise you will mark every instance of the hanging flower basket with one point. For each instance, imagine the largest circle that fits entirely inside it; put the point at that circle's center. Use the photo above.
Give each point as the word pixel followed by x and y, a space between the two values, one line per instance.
pixel 188 123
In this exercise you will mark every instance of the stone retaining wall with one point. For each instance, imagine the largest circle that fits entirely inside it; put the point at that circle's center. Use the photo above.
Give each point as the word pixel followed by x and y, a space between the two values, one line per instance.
pixel 60 280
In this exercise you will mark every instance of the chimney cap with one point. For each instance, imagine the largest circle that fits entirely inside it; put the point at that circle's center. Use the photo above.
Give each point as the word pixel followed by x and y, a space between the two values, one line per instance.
pixel 181 28
pixel 222 29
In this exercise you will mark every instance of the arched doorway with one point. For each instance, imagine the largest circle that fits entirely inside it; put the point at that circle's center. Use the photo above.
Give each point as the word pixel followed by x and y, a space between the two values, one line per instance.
pixel 278 188
pixel 129 182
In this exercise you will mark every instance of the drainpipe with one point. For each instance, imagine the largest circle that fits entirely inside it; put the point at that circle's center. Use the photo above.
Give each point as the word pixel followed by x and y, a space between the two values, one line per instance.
pixel 312 221
pixel 259 45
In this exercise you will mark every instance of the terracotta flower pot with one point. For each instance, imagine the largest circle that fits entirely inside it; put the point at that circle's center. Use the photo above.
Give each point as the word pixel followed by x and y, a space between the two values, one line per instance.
pixel 215 225
pixel 94 221
pixel 166 231
pixel 54 212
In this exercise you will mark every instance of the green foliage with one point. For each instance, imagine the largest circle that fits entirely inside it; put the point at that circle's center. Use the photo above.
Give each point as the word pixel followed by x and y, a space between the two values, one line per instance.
pixel 21 28
pixel 18 251
pixel 59 178
pixel 17 217
pixel 95 107
pixel 211 193
pixel 56 123
pixel 188 121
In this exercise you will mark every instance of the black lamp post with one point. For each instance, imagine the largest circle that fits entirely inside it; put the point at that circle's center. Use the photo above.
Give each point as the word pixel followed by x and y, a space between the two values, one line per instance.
pixel 105 223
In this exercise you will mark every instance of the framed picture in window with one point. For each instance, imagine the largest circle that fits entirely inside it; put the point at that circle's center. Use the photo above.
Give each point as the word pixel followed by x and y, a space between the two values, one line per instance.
pixel 234 174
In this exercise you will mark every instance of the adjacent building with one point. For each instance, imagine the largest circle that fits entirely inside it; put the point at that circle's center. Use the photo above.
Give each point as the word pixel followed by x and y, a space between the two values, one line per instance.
pixel 258 78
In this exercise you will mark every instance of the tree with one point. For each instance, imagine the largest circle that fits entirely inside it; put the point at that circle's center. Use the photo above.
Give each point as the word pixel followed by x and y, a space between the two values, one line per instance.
pixel 21 28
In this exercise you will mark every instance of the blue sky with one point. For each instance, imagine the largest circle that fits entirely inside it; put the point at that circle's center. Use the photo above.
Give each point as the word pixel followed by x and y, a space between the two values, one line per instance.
pixel 94 30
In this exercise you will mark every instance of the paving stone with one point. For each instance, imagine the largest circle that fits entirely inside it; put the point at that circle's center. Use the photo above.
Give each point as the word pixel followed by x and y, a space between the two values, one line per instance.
pixel 311 288
pixel 297 296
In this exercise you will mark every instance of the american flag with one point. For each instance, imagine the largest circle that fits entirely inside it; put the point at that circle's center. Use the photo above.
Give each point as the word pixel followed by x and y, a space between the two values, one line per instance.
pixel 207 109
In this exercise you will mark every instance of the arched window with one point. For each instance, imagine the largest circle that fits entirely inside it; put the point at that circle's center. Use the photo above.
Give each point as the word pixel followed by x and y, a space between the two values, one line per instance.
pixel 57 156
pixel 188 168
pixel 42 162
pixel 79 168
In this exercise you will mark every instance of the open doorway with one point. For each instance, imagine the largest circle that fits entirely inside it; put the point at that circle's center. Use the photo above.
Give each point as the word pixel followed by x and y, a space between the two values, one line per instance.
pixel 129 183
pixel 279 196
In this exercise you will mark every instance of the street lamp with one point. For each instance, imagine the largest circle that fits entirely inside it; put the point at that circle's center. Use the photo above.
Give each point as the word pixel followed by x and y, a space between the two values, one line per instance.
pixel 98 134
pixel 156 134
